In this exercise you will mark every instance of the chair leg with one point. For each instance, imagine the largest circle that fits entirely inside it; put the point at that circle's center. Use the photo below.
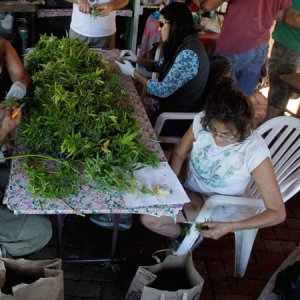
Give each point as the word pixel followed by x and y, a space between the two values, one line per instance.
pixel 244 240
pixel 188 241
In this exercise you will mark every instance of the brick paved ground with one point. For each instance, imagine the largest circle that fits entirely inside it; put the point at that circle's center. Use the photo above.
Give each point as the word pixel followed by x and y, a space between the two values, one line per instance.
pixel 213 259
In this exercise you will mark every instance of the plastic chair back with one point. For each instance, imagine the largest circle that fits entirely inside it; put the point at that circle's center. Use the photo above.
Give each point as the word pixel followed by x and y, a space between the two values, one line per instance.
pixel 282 135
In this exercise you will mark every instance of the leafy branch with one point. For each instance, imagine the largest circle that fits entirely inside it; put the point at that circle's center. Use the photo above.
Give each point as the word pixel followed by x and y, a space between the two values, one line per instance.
pixel 76 122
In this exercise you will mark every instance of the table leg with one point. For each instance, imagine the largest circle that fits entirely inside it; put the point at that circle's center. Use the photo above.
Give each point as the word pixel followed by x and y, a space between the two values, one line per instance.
pixel 60 225
pixel 114 239
pixel 60 222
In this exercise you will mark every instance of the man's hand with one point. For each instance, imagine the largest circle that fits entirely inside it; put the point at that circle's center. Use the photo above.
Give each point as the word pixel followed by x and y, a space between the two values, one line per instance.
pixel 84 6
pixel 128 55
pixel 104 9
pixel 17 90
pixel 126 68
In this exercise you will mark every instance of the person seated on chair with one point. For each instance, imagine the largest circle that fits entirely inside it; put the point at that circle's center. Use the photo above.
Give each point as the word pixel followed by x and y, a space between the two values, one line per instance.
pixel 224 153
pixel 14 78
pixel 183 70
pixel 19 234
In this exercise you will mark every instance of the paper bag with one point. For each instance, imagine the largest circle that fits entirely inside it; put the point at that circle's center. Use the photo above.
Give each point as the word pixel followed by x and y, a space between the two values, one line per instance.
pixel 31 280
pixel 173 279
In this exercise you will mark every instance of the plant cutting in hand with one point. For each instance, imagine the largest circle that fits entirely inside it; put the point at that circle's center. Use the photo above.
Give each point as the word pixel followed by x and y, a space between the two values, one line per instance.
pixel 94 12
pixel 201 226
pixel 198 226
pixel 76 126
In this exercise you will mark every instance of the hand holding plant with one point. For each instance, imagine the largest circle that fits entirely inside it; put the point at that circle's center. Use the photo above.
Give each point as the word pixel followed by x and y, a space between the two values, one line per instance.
pixel 128 55
pixel 126 68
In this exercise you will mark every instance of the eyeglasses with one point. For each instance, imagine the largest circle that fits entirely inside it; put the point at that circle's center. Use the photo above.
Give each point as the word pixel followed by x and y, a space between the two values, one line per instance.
pixel 162 23
pixel 224 136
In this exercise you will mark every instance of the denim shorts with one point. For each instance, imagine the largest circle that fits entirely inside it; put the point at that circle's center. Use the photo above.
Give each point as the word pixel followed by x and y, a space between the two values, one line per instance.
pixel 247 66
pixel 282 61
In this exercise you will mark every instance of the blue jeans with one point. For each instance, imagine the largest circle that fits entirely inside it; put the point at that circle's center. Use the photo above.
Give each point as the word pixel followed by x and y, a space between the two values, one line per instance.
pixel 283 61
pixel 247 66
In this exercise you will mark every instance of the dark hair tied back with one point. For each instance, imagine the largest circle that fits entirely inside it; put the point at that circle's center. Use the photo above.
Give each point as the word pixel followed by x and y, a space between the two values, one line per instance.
pixel 229 106
pixel 224 84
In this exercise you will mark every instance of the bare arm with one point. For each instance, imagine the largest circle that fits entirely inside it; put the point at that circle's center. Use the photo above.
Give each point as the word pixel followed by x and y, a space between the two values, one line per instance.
pixel 182 150
pixel 274 214
pixel 147 64
pixel 140 78
pixel 8 124
pixel 107 8
pixel 208 5
pixel 264 177
pixel 291 17
pixel 14 65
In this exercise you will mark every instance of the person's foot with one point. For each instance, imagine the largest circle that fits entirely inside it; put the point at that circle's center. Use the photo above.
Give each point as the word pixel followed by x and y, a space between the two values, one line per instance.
pixel 107 221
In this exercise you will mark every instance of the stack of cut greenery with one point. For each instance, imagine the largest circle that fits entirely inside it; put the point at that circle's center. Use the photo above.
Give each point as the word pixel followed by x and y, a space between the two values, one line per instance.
pixel 76 125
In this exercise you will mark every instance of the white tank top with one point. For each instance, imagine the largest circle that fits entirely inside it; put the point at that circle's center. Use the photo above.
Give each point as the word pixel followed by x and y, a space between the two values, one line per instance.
pixel 87 25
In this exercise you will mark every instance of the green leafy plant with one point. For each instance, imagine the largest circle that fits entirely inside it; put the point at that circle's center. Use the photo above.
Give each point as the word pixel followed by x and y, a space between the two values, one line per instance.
pixel 201 226
pixel 95 12
pixel 77 117
pixel 115 268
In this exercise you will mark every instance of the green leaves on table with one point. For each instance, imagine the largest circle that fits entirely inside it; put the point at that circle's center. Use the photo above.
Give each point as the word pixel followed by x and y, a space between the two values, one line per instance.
pixel 76 115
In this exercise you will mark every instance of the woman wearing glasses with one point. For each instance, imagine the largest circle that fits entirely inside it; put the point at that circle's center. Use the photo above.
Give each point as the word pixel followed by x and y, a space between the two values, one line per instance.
pixel 224 153
pixel 183 69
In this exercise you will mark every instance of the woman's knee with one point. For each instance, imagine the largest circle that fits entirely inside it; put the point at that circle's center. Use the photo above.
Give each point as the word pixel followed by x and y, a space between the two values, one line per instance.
pixel 148 221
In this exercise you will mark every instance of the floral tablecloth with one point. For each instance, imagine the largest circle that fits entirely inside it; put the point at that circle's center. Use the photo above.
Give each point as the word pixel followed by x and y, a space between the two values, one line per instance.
pixel 87 200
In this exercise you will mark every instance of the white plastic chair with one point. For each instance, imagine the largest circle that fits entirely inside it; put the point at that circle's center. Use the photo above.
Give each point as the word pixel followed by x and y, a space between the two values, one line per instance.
pixel 282 135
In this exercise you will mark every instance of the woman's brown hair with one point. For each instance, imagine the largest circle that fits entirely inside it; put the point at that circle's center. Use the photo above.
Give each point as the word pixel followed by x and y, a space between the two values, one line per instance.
pixel 229 106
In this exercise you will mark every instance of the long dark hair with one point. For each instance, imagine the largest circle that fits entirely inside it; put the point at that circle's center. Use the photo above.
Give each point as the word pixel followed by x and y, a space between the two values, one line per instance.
pixel 229 106
pixel 181 25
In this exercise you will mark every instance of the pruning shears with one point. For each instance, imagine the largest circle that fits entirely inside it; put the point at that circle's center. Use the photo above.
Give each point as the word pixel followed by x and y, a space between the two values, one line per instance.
pixel 17 110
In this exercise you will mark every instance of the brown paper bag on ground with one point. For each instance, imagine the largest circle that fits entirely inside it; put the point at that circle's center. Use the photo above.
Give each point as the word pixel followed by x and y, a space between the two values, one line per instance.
pixel 31 280
pixel 173 279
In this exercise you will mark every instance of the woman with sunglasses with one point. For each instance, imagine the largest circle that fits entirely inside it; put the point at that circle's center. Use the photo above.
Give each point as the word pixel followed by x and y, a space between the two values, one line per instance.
pixel 224 152
pixel 183 69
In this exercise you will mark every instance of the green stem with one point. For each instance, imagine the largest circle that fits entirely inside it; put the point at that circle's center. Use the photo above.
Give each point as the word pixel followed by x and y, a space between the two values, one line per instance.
pixel 39 156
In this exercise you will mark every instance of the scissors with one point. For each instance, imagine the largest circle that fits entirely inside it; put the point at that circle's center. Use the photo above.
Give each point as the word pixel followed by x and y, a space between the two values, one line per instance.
pixel 17 110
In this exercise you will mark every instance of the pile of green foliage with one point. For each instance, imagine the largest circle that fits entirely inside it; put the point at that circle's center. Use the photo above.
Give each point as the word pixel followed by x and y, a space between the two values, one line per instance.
pixel 76 123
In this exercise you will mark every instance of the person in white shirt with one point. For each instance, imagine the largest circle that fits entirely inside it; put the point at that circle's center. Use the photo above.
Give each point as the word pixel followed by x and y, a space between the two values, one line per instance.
pixel 98 31
pixel 224 153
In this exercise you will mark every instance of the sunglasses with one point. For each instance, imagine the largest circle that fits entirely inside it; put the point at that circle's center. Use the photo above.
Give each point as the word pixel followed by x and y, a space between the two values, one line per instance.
pixel 162 23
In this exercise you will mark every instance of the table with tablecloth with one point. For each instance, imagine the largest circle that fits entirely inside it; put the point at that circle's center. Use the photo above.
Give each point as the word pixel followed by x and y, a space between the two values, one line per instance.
pixel 87 199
